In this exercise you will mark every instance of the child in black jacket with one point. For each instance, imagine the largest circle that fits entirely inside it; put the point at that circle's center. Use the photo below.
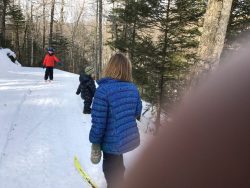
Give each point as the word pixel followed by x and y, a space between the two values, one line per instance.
pixel 86 88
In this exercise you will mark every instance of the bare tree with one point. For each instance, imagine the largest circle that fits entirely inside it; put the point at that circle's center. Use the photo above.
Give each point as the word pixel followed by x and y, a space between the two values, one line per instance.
pixel 31 35
pixel 96 42
pixel 51 21
pixel 62 16
pixel 100 47
pixel 74 31
pixel 44 23
pixel 1 22
pixel 3 19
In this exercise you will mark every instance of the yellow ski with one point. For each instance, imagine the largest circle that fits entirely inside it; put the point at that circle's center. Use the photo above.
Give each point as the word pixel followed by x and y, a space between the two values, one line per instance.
pixel 83 173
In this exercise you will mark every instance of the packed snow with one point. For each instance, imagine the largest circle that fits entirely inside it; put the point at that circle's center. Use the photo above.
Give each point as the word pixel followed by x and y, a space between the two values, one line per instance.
pixel 42 128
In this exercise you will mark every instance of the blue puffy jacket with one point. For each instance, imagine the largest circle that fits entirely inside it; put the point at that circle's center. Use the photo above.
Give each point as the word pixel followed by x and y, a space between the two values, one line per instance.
pixel 115 108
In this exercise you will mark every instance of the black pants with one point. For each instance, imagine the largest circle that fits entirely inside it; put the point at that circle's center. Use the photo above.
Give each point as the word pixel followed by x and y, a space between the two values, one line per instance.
pixel 87 104
pixel 113 169
pixel 48 73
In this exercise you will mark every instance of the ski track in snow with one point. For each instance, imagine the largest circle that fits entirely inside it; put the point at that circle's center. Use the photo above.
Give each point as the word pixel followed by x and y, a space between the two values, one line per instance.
pixel 42 129
pixel 13 124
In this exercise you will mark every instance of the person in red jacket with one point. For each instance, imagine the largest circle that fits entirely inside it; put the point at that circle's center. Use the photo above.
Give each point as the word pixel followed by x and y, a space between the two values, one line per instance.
pixel 49 63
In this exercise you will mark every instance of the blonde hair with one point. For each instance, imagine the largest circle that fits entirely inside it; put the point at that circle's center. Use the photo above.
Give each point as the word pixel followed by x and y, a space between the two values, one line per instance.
pixel 119 67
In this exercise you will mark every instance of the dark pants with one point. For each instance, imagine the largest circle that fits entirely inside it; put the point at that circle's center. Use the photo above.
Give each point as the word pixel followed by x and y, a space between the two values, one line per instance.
pixel 87 104
pixel 48 73
pixel 113 169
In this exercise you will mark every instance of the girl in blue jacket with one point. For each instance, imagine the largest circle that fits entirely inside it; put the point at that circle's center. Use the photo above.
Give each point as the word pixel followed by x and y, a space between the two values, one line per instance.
pixel 116 106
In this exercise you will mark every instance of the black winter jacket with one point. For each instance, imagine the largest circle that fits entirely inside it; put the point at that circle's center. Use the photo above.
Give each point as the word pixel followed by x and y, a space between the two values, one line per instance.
pixel 86 87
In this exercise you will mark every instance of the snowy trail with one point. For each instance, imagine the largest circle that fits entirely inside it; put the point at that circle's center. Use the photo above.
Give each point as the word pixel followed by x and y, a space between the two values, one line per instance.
pixel 41 121
pixel 42 128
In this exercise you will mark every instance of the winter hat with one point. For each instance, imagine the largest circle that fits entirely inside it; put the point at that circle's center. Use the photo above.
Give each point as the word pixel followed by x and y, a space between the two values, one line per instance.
pixel 51 50
pixel 96 153
pixel 89 70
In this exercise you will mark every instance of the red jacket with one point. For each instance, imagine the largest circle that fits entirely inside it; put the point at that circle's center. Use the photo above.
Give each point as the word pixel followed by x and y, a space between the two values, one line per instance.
pixel 49 60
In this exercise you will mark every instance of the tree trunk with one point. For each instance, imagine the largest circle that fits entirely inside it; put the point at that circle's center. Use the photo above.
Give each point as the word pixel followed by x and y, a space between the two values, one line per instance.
pixel 159 107
pixel 62 16
pixel 24 46
pixel 3 27
pixel 51 22
pixel 1 22
pixel 31 35
pixel 214 32
pixel 18 52
pixel 97 76
pixel 75 27
pixel 44 24
pixel 133 40
pixel 27 34
pixel 100 36
pixel 161 80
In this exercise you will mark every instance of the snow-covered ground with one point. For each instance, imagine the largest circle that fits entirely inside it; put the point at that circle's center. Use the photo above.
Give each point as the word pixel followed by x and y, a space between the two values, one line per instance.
pixel 42 128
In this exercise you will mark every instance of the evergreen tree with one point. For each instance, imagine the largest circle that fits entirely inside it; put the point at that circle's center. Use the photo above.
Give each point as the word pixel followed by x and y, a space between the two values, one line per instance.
pixel 17 19
pixel 239 20
pixel 160 38
pixel 4 4
pixel 61 45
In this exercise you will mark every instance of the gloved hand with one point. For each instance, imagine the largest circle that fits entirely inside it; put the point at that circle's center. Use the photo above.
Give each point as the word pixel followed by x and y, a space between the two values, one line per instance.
pixel 60 63
pixel 96 153
pixel 43 66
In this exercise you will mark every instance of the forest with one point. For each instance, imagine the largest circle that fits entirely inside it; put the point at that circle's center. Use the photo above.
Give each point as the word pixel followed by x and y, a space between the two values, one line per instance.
pixel 169 42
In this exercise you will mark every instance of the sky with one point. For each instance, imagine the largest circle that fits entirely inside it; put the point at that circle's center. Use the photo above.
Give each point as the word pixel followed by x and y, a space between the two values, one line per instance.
pixel 71 8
